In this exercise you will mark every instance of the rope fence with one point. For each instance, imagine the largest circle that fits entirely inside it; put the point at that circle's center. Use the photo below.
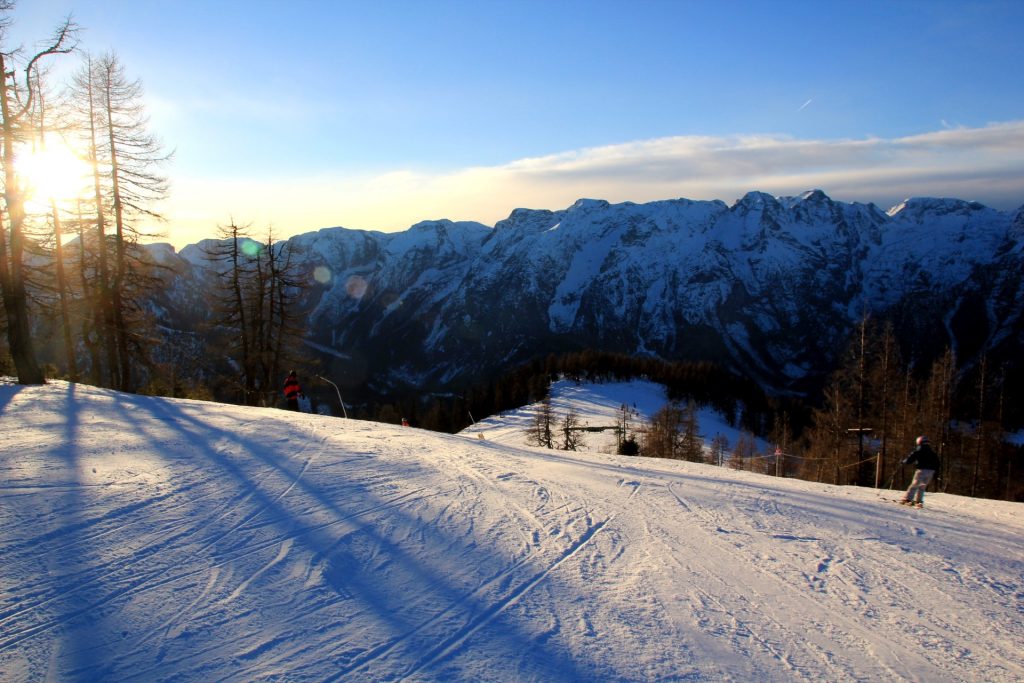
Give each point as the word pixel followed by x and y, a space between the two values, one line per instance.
pixel 807 459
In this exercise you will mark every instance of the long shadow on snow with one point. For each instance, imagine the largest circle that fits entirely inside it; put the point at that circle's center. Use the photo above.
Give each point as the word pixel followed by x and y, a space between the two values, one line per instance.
pixel 89 660
pixel 7 394
pixel 413 635
pixel 83 654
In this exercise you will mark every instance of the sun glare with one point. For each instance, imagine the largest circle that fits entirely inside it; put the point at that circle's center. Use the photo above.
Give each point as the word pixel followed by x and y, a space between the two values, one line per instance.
pixel 54 173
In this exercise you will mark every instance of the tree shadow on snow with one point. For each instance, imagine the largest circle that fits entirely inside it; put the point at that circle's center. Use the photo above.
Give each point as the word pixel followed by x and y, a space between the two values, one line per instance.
pixel 7 394
pixel 61 574
pixel 432 613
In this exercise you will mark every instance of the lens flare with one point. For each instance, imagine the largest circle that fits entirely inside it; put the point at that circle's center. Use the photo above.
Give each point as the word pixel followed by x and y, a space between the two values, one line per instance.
pixel 322 274
pixel 356 287
pixel 251 248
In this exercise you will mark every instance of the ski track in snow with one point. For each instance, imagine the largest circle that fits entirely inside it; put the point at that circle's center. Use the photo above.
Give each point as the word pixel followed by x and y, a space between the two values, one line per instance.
pixel 148 540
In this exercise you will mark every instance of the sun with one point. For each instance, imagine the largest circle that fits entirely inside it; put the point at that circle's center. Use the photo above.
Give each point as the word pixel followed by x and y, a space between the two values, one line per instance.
pixel 52 173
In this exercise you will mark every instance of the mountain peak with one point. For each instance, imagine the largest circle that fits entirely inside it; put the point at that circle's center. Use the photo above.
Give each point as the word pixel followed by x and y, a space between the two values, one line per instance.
pixel 1018 220
pixel 755 200
pixel 814 196
pixel 445 225
pixel 528 221
pixel 589 205
pixel 916 207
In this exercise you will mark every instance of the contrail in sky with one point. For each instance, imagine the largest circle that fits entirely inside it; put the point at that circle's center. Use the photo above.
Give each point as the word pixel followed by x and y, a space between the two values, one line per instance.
pixel 804 105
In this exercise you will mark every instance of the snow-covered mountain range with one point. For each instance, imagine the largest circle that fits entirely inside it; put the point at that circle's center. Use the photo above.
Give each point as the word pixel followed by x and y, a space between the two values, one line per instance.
pixel 770 287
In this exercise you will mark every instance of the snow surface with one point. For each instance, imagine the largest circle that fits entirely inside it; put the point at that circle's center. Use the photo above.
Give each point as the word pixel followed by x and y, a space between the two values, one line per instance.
pixel 150 539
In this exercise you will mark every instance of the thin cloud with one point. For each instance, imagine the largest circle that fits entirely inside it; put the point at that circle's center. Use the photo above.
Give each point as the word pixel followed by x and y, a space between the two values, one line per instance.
pixel 984 164
pixel 805 104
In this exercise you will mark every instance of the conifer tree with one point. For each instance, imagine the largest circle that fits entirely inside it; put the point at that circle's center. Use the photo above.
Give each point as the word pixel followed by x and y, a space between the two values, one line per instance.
pixel 936 410
pixel 744 454
pixel 17 95
pixel 827 438
pixel 47 127
pixel 540 432
pixel 719 447
pixel 254 310
pixel 691 443
pixel 572 440
pixel 885 378
pixel 662 437
pixel 127 184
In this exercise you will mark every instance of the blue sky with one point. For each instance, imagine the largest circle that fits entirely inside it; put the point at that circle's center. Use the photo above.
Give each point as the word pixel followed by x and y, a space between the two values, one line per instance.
pixel 379 114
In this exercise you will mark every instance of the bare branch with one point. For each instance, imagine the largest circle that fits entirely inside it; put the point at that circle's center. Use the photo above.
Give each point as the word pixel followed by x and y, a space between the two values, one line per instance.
pixel 64 41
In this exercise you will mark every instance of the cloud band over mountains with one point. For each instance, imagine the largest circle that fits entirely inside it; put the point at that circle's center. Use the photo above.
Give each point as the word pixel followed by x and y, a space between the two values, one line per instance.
pixel 984 164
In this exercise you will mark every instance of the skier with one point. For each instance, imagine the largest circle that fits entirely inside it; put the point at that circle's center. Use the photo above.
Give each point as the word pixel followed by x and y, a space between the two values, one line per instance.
pixel 926 462
pixel 405 423
pixel 292 391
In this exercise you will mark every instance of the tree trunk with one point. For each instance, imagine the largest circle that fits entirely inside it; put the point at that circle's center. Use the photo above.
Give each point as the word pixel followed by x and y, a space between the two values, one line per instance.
pixel 89 323
pixel 120 257
pixel 62 289
pixel 12 274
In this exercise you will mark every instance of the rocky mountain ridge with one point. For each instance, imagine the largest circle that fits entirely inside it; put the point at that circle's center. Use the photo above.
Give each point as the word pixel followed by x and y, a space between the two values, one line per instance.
pixel 769 286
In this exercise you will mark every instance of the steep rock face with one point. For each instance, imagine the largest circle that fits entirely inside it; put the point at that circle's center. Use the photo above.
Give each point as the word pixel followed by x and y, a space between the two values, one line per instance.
pixel 768 286
pixel 790 279
pixel 948 271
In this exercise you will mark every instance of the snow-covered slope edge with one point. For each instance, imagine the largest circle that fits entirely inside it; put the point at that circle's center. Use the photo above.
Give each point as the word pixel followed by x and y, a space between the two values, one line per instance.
pixel 153 539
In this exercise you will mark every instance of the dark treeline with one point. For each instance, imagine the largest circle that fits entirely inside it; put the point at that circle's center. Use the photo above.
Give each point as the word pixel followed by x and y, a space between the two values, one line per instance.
pixel 869 413
pixel 875 405
pixel 740 400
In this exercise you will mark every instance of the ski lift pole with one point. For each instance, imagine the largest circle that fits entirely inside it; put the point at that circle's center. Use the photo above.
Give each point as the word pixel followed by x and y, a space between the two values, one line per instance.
pixel 343 411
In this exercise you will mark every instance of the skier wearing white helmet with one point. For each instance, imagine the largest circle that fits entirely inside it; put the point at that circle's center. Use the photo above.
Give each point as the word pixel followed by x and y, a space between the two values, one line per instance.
pixel 926 462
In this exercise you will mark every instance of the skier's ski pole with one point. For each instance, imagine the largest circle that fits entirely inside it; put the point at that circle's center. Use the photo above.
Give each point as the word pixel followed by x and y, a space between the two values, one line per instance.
pixel 893 477
pixel 343 411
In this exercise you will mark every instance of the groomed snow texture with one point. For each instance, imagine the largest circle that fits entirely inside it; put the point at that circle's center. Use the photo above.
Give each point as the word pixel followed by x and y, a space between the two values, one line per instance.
pixel 148 539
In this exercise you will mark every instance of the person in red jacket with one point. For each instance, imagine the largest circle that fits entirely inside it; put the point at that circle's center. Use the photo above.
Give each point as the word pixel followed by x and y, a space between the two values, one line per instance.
pixel 292 391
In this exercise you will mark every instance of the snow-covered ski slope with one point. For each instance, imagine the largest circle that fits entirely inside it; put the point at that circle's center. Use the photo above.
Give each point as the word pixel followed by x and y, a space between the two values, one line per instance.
pixel 147 539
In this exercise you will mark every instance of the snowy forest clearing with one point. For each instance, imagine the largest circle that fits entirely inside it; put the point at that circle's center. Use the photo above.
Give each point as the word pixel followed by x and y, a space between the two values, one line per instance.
pixel 151 539
pixel 601 406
